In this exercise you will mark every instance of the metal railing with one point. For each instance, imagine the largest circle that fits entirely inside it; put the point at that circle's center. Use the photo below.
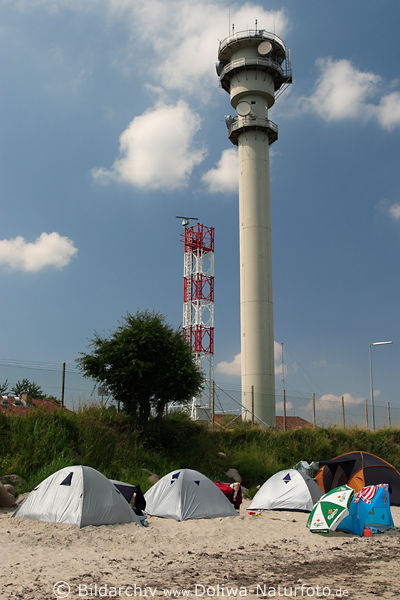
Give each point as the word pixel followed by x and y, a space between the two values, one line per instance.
pixel 263 63
pixel 239 124
pixel 256 33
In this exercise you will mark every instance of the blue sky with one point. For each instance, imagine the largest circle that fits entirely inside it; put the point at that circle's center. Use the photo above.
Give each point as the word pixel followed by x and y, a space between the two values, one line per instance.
pixel 112 123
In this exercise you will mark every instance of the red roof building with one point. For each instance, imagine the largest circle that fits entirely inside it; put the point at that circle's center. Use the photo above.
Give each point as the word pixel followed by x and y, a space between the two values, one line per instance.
pixel 291 422
pixel 14 405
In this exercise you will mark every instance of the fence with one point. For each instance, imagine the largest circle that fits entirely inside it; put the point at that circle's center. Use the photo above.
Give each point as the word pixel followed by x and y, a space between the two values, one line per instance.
pixel 325 410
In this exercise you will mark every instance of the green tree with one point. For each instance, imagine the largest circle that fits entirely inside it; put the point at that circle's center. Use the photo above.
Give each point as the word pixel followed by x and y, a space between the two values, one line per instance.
pixel 4 387
pixel 145 363
pixel 28 387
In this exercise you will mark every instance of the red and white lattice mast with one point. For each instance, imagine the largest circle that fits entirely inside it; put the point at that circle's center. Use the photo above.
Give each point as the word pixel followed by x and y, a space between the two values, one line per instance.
pixel 198 301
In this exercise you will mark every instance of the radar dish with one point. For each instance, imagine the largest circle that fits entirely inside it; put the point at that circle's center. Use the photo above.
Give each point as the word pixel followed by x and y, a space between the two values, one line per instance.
pixel 264 48
pixel 243 109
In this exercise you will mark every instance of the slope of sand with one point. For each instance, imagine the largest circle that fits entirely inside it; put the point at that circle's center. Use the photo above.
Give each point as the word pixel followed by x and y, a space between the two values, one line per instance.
pixel 272 555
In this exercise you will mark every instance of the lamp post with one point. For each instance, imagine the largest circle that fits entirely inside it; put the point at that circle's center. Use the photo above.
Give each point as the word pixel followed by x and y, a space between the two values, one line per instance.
pixel 371 379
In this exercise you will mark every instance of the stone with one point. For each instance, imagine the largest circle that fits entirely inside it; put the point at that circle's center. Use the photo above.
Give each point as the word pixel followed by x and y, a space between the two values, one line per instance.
pixel 6 500
pixel 10 489
pixel 234 474
pixel 15 480
pixel 21 498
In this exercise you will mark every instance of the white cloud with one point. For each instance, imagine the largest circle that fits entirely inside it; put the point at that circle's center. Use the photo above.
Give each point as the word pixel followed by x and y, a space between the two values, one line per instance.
pixel 230 368
pixel 394 211
pixel 156 150
pixel 48 250
pixel 175 44
pixel 279 406
pixel 388 111
pixel 225 177
pixel 233 367
pixel 183 36
pixel 278 358
pixel 341 91
pixel 178 39
pixel 332 402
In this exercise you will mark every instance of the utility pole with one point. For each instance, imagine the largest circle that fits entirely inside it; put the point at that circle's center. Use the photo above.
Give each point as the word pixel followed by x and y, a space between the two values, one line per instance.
pixel 63 385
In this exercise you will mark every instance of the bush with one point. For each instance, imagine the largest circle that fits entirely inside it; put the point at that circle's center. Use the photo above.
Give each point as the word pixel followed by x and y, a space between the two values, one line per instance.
pixel 40 443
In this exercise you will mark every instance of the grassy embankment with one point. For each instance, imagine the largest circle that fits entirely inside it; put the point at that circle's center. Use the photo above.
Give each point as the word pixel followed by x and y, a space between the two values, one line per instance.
pixel 39 444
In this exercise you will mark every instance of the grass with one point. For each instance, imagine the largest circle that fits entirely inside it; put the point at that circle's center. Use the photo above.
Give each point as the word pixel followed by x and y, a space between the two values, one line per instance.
pixel 39 444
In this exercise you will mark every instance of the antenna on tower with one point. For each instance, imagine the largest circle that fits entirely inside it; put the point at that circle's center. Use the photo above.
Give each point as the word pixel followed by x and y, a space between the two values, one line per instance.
pixel 185 220
pixel 229 18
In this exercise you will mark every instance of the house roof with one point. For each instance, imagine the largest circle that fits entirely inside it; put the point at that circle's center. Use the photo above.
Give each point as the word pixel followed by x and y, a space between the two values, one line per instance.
pixel 293 423
pixel 23 409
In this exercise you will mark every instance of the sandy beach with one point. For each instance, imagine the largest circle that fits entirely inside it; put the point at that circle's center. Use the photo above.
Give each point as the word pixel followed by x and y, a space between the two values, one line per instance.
pixel 272 555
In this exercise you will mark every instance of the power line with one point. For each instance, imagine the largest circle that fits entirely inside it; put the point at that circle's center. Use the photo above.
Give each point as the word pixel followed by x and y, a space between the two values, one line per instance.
pixel 35 366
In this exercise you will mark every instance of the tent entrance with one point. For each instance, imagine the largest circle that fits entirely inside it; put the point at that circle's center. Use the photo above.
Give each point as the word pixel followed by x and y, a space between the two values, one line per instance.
pixel 341 473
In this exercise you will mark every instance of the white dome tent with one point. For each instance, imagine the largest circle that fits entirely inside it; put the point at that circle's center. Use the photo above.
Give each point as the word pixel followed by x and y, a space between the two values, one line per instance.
pixel 78 495
pixel 187 494
pixel 287 490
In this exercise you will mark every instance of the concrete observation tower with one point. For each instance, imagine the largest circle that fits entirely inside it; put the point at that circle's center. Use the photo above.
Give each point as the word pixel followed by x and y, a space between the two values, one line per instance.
pixel 254 67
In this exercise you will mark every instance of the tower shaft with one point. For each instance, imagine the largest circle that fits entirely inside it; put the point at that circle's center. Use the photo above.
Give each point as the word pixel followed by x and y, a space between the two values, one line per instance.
pixel 256 304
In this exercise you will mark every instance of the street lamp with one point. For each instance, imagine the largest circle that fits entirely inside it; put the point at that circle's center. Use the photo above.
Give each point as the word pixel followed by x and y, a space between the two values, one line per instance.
pixel 370 377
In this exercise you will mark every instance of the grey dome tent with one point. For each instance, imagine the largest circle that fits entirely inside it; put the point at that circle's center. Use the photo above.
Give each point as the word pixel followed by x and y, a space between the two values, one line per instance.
pixel 187 494
pixel 287 490
pixel 78 495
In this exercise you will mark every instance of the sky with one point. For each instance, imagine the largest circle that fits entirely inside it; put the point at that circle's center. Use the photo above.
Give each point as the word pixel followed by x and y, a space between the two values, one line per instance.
pixel 112 123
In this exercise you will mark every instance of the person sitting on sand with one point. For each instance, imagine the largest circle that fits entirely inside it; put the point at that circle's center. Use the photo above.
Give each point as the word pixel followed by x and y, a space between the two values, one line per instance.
pixel 138 503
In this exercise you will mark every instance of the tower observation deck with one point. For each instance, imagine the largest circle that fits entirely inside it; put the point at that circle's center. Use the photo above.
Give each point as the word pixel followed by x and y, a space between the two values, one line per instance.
pixel 254 68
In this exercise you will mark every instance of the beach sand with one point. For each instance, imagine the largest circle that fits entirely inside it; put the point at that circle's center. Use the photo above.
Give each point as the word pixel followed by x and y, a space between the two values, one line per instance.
pixel 250 556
